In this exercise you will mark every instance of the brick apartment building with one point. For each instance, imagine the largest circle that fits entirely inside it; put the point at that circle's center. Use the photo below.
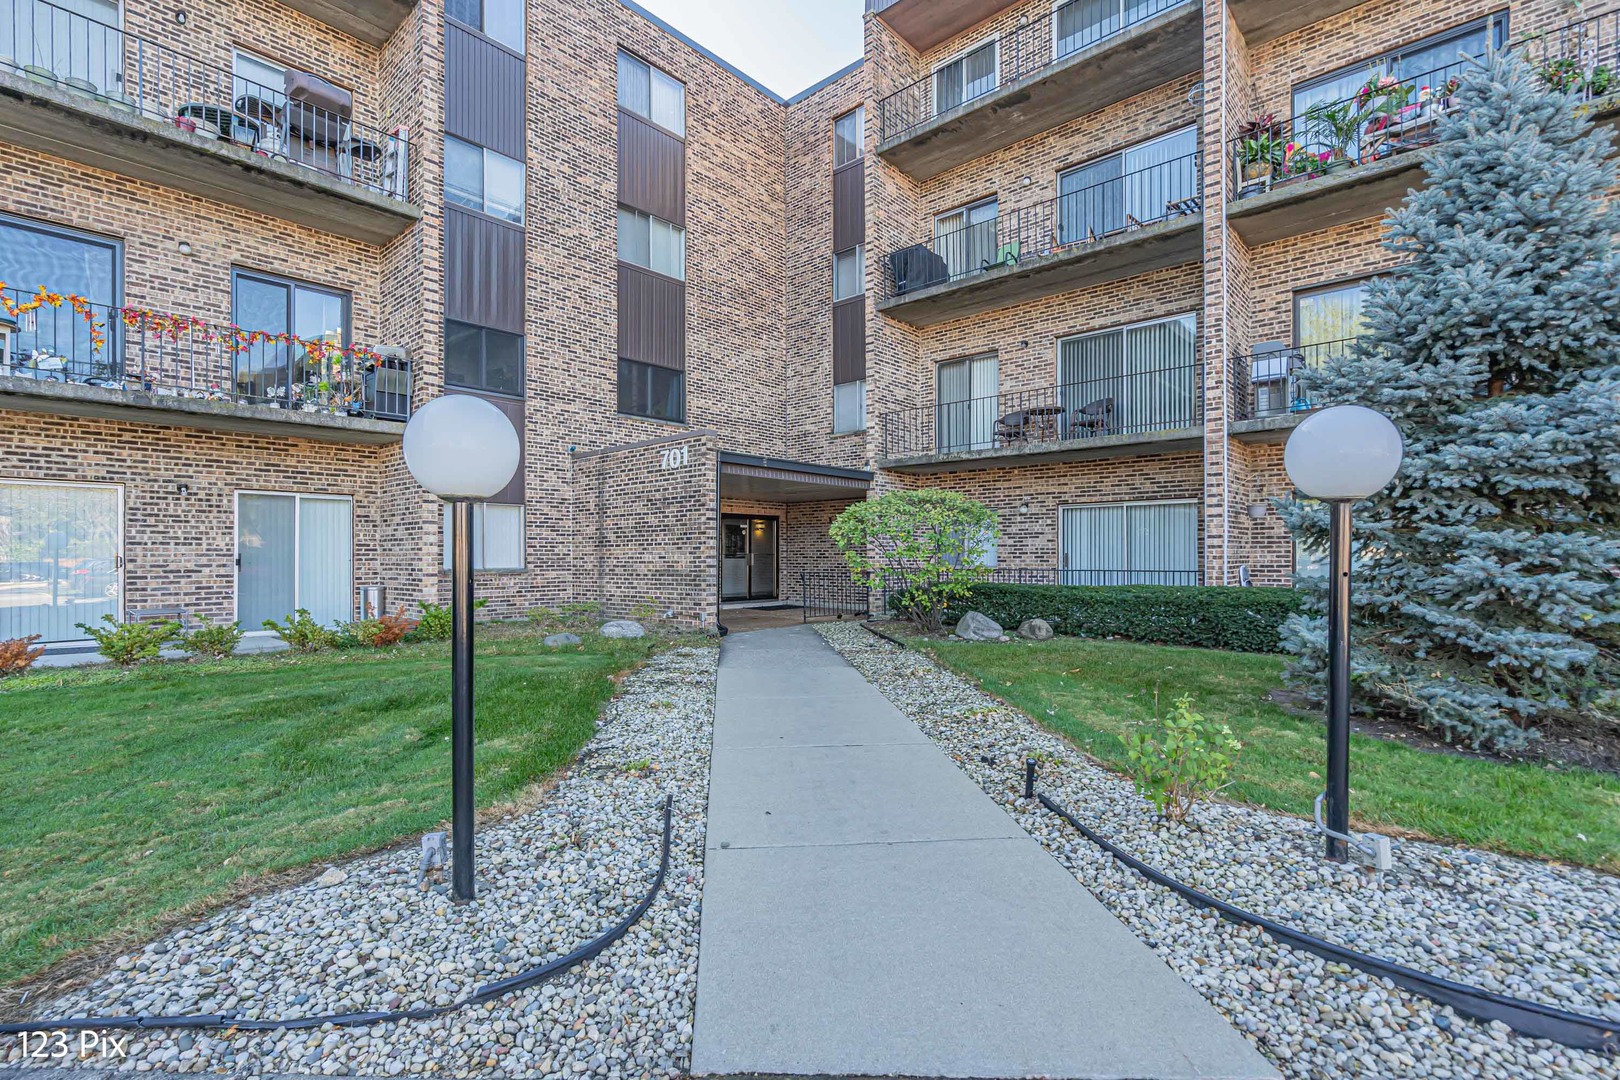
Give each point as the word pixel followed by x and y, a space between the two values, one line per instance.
pixel 1017 251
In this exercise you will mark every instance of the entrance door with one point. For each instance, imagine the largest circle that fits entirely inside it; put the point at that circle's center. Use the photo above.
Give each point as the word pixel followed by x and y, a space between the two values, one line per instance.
pixel 61 558
pixel 294 551
pixel 748 558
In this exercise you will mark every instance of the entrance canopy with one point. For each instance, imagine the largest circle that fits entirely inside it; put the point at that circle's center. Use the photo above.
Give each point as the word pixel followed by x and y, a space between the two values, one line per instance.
pixel 772 480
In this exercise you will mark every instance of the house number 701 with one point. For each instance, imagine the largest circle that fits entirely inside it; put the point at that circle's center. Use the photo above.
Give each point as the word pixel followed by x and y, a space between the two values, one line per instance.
pixel 675 457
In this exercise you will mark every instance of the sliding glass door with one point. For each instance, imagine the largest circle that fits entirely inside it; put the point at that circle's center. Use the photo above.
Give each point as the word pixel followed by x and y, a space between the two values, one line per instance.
pixel 1137 186
pixel 965 78
pixel 1133 379
pixel 965 416
pixel 966 238
pixel 1147 543
pixel 294 551
pixel 61 558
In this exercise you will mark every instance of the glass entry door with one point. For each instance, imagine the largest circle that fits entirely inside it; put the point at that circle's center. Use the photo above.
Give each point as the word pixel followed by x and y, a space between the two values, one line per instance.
pixel 294 551
pixel 61 558
pixel 748 558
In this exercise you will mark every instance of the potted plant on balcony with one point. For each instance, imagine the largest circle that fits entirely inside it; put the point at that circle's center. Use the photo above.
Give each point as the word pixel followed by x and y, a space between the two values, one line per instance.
pixel 1335 126
pixel 1260 152
pixel 1302 163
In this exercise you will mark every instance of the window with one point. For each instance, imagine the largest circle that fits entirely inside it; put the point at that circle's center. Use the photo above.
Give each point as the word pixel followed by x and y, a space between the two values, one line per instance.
pixel 849 273
pixel 968 76
pixel 658 393
pixel 1130 380
pixel 33 256
pixel 1141 184
pixel 258 78
pixel 986 545
pixel 74 39
pixel 849 407
pixel 652 242
pixel 966 238
pixel 849 134
pixel 483 180
pixel 478 358
pixel 497 536
pixel 1325 320
pixel 1077 24
pixel 501 20
pixel 966 405
pixel 1147 543
pixel 267 369
pixel 651 95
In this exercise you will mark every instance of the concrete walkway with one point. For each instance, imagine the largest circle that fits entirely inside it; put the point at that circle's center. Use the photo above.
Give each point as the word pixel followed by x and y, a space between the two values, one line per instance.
pixel 869 911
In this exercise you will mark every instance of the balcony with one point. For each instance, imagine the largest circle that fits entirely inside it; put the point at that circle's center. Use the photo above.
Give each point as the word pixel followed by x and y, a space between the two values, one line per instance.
pixel 82 359
pixel 1266 20
pixel 922 24
pixel 1123 415
pixel 1035 78
pixel 1269 398
pixel 1142 221
pixel 90 93
pixel 371 21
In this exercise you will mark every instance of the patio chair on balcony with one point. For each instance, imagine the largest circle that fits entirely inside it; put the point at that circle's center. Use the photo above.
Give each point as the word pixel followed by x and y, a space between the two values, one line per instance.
pixel 1274 374
pixel 1012 429
pixel 916 267
pixel 1006 255
pixel 1093 418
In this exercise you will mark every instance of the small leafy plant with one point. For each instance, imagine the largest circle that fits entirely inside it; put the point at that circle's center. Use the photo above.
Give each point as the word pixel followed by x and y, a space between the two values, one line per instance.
pixel 438 621
pixel 385 630
pixel 645 611
pixel 302 633
pixel 211 642
pixel 17 655
pixel 1186 758
pixel 129 643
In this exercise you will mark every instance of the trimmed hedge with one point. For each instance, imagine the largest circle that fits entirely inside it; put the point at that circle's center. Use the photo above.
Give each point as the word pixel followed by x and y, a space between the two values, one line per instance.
pixel 1210 617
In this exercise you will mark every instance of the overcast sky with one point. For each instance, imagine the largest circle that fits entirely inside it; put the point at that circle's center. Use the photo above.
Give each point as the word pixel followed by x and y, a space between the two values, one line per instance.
pixel 785 44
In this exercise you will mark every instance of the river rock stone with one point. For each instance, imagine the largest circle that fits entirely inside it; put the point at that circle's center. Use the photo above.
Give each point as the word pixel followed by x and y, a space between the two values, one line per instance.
pixel 1035 630
pixel 623 628
pixel 559 640
pixel 976 626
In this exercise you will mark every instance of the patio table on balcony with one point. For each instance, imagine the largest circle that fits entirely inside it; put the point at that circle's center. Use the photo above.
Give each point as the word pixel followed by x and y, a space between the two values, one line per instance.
pixel 224 123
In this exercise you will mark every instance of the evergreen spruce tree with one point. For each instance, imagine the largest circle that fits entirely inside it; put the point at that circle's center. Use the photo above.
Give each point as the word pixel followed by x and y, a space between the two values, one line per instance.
pixel 1487 577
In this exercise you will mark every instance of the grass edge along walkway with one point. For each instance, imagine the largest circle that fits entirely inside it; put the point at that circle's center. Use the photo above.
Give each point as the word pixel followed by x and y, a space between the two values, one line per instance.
pixel 136 798
pixel 1090 691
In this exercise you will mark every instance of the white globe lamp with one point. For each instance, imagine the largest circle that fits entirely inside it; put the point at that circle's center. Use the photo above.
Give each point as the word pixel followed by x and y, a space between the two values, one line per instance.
pixel 1341 455
pixel 462 449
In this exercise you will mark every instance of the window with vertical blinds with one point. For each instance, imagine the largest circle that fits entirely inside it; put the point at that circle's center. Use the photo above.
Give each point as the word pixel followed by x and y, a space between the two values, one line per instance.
pixel 965 78
pixel 1132 379
pixel 965 416
pixel 1147 543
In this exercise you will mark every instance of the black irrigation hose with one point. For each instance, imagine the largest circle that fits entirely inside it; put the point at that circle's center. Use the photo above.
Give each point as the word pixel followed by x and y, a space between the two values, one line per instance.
pixel 891 640
pixel 519 981
pixel 1525 1017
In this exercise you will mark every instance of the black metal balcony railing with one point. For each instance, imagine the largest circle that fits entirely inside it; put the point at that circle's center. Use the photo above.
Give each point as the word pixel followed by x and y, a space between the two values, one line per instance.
pixel 1582 57
pixel 1018 53
pixel 1062 225
pixel 66 50
pixel 1387 116
pixel 178 356
pixel 1138 403
pixel 1266 382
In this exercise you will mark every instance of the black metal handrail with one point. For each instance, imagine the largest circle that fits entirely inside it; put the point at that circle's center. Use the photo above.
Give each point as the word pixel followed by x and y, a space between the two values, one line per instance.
pixel 1066 224
pixel 832 593
pixel 69 51
pixel 160 354
pixel 1019 53
pixel 1385 117
pixel 1581 57
pixel 1161 399
pixel 1266 382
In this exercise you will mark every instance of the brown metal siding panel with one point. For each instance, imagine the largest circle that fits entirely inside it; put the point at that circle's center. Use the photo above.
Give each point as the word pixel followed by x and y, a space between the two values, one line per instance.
pixel 512 492
pixel 652 169
pixel 483 271
pixel 849 206
pixel 652 318
pixel 849 340
pixel 484 99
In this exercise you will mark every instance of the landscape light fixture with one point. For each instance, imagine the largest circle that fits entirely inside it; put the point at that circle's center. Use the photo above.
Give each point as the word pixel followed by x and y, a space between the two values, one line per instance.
pixel 464 450
pixel 1340 455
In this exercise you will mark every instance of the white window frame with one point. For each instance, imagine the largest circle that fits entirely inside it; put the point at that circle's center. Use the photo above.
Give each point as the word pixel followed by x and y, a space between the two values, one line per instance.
pixel 478 534
pixel 298 525
pixel 484 185
pixel 860 273
pixel 861 395
pixel 995 73
pixel 1125 540
pixel 118 541
pixel 679 230
pixel 859 112
pixel 653 70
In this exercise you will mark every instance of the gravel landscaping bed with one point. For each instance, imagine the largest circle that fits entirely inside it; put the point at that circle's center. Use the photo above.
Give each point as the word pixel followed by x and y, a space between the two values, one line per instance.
pixel 1527 929
pixel 550 880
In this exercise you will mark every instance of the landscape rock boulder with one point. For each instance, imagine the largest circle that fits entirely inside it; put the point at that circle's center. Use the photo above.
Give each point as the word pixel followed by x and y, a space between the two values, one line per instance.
pixel 558 640
pixel 976 626
pixel 623 628
pixel 1035 630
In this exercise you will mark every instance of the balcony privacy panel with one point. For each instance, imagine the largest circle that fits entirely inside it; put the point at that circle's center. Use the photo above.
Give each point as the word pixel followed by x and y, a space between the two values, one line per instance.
pixel 652 318
pixel 483 271
pixel 483 92
pixel 849 206
pixel 849 340
pixel 652 169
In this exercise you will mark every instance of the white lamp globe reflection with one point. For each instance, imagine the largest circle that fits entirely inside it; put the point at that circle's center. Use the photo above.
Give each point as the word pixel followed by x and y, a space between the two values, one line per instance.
pixel 461 447
pixel 1347 452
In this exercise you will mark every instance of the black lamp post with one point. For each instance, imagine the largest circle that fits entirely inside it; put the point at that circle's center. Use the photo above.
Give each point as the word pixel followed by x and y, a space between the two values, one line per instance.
pixel 462 449
pixel 1341 455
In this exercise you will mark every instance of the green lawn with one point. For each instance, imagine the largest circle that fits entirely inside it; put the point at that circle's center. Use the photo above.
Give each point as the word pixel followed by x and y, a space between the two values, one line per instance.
pixel 129 796
pixel 1092 691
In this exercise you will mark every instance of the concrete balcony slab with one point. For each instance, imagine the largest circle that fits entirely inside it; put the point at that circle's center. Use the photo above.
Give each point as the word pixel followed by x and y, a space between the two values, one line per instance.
pixel 371 21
